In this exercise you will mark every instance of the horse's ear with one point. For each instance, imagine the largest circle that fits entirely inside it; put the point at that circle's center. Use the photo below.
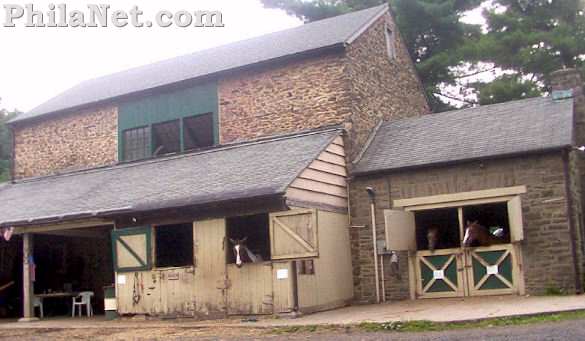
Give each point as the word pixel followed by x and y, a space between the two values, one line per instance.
pixel 476 222
pixel 468 223
pixel 233 241
pixel 244 239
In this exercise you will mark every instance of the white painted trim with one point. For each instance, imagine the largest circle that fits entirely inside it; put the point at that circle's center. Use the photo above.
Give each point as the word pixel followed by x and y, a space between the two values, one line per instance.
pixel 364 28
pixel 460 197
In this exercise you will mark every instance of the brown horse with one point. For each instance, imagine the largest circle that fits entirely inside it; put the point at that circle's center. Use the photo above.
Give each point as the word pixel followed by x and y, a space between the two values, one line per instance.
pixel 476 234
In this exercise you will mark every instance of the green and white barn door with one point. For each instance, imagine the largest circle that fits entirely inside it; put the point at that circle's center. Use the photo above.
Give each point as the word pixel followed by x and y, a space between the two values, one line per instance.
pixel 492 270
pixel 439 274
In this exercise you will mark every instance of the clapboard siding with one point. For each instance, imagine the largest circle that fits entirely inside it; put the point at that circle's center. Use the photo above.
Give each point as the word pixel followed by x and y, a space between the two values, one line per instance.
pixel 324 182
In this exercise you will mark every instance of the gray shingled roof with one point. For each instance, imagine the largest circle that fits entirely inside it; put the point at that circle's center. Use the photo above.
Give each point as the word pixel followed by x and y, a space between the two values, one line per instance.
pixel 317 35
pixel 487 131
pixel 260 168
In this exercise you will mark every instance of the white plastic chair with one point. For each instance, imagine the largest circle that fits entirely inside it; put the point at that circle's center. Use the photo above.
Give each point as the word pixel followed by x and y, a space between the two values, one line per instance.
pixel 83 299
pixel 38 303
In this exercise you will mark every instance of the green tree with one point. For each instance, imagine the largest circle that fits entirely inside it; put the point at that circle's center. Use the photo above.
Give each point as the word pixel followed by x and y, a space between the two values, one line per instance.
pixel 529 40
pixel 5 143
pixel 432 30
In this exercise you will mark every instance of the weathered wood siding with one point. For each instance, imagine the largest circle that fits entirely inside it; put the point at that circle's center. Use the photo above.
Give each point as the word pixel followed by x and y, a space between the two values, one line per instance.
pixel 323 183
pixel 332 284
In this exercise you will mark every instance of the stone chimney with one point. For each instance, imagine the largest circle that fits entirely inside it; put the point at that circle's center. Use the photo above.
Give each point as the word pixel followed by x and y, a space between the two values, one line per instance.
pixel 568 83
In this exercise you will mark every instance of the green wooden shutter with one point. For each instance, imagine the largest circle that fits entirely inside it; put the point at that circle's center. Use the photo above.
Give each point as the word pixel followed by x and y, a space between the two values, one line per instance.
pixel 131 248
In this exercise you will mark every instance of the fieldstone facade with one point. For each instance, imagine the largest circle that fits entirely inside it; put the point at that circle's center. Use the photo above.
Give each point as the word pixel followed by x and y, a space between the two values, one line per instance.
pixel 382 88
pixel 67 142
pixel 547 251
pixel 357 88
pixel 299 95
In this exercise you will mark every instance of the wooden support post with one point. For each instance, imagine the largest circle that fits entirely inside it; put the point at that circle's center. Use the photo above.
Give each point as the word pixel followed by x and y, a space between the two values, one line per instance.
pixel 27 284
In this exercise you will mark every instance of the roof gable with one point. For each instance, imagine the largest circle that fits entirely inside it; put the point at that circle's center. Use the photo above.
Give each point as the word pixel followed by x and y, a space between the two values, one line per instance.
pixel 514 127
pixel 336 31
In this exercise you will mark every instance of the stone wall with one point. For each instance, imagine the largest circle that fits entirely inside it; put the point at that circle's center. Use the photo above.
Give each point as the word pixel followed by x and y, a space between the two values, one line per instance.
pixel 357 88
pixel 381 88
pixel 283 98
pixel 68 142
pixel 548 261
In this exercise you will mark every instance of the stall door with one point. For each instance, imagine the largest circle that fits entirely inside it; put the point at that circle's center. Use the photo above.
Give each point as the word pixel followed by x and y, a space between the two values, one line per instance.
pixel 250 289
pixel 440 273
pixel 210 267
pixel 491 270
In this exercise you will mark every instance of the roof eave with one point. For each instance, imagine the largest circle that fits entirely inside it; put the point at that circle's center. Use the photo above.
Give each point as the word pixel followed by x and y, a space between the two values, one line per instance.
pixel 460 161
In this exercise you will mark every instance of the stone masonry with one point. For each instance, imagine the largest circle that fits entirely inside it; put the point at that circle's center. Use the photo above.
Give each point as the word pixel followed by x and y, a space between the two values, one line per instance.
pixel 66 142
pixel 381 88
pixel 357 88
pixel 548 262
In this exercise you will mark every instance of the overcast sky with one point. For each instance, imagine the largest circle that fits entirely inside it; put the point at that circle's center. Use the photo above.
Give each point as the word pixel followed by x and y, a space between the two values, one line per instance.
pixel 39 63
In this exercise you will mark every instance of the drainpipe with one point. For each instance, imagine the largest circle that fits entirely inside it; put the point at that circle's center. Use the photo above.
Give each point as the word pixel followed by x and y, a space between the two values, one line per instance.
pixel 372 196
pixel 570 212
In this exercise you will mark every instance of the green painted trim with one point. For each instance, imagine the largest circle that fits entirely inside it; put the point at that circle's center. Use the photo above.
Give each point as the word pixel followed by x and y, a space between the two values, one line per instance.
pixel 145 230
pixel 168 106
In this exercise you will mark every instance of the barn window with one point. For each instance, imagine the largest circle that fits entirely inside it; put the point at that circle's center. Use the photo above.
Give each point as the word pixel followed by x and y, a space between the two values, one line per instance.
pixel 198 131
pixel 254 229
pixel 445 220
pixel 136 143
pixel 390 43
pixel 166 137
pixel 174 245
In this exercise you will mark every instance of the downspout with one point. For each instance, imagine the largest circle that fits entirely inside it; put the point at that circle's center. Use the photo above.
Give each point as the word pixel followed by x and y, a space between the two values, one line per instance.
pixel 570 212
pixel 372 196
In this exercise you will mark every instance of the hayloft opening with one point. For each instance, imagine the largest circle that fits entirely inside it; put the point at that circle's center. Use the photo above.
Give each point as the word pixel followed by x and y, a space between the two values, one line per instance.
pixel 174 245
pixel 253 228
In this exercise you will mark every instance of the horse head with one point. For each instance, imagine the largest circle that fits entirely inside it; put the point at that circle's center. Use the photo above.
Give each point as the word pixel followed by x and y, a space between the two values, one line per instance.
pixel 238 247
pixel 474 232
pixel 433 236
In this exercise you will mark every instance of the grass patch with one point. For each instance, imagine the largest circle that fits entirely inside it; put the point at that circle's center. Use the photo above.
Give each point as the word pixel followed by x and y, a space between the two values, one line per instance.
pixel 426 326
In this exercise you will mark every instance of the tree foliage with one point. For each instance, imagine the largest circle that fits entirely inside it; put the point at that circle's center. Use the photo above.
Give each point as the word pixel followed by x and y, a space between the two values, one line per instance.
pixel 529 40
pixel 5 142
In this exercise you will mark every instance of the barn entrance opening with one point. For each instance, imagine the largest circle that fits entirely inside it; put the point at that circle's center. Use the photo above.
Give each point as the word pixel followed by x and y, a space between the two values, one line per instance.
pixel 492 216
pixel 446 223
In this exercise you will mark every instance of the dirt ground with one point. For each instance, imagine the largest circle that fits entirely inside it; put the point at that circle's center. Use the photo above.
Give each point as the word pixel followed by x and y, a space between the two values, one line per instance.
pixel 564 330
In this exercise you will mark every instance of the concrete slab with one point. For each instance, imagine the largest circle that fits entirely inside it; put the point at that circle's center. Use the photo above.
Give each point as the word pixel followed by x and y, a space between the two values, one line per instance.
pixel 437 310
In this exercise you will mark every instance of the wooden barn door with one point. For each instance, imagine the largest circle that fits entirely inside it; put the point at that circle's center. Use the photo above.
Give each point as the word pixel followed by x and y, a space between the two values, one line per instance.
pixel 293 234
pixel 210 266
pixel 492 270
pixel 250 289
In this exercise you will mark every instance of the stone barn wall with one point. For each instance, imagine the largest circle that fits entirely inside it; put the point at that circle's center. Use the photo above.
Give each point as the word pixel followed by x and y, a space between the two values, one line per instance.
pixel 548 262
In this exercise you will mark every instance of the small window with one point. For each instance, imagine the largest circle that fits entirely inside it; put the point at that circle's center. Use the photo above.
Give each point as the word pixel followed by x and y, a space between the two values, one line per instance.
pixel 166 138
pixel 174 245
pixel 136 143
pixel 198 131
pixel 390 43
pixel 254 230
pixel 306 267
